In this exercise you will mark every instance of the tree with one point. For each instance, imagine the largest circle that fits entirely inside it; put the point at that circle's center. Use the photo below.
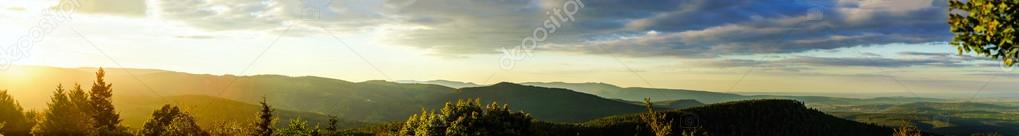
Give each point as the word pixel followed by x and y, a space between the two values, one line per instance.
pixel 656 121
pixel 332 128
pixel 986 27
pixel 12 116
pixel 906 131
pixel 265 122
pixel 107 120
pixel 298 127
pixel 56 121
pixel 224 128
pixel 469 118
pixel 171 121
pixel 82 111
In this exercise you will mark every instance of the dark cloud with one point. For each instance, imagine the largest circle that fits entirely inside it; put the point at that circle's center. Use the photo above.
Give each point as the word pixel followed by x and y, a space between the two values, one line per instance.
pixel 675 28
pixel 711 29
pixel 906 59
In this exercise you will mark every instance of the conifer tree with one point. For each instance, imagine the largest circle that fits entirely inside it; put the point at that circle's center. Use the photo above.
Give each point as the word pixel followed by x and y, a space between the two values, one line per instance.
pixel 332 128
pixel 107 120
pixel 55 120
pixel 12 116
pixel 82 111
pixel 264 124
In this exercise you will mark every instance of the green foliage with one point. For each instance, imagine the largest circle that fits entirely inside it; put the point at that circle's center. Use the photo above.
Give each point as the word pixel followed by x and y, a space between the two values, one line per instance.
pixel 264 124
pixel 469 118
pixel 107 120
pixel 986 27
pixel 656 121
pixel 61 119
pixel 332 129
pixel 299 127
pixel 907 131
pixel 12 116
pixel 171 121
pixel 227 129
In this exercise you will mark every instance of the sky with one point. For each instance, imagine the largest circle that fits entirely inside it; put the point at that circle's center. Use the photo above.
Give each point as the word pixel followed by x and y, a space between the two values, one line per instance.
pixel 816 46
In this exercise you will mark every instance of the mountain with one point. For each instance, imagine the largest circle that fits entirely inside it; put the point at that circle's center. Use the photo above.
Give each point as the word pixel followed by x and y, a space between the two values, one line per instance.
pixel 639 93
pixel 550 104
pixel 945 118
pixel 668 104
pixel 212 110
pixel 752 117
pixel 679 104
pixel 369 101
pixel 447 83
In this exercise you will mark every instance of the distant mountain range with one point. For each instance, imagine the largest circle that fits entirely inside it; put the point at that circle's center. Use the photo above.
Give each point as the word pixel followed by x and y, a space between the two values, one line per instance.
pixel 751 117
pixel 447 83
pixel 590 108
pixel 371 101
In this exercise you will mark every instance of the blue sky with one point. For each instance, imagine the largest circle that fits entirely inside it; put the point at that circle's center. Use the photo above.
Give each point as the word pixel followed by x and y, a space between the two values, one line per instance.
pixel 836 46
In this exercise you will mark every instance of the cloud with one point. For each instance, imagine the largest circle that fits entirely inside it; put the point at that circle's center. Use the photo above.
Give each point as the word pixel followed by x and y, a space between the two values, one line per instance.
pixel 130 8
pixel 906 59
pixel 681 28
pixel 712 29
pixel 196 37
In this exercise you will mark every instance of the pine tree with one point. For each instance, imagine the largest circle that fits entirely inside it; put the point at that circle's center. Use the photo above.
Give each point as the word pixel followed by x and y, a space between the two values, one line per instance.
pixel 107 120
pixel 82 111
pixel 264 125
pixel 171 121
pixel 12 116
pixel 332 128
pixel 55 120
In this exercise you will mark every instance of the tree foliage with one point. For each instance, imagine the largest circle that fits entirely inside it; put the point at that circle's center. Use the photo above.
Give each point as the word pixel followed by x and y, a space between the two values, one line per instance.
pixel 172 121
pixel 299 127
pixel 224 128
pixel 12 116
pixel 59 120
pixel 264 124
pixel 985 27
pixel 469 118
pixel 107 120
pixel 656 121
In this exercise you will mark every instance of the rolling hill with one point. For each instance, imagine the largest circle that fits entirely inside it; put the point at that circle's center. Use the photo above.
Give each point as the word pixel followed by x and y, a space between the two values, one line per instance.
pixel 638 93
pixel 550 104
pixel 369 101
pixel 752 117
pixel 136 111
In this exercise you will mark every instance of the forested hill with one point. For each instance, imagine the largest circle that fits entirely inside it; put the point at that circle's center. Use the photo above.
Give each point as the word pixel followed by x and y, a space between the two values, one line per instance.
pixel 370 101
pixel 753 117
pixel 549 104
